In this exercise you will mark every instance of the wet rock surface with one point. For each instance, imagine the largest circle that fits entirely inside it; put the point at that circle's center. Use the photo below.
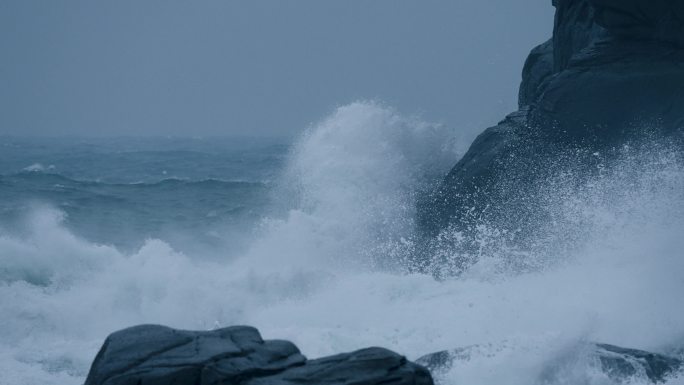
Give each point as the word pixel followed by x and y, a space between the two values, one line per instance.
pixel 613 73
pixel 622 364
pixel 615 363
pixel 637 19
pixel 152 354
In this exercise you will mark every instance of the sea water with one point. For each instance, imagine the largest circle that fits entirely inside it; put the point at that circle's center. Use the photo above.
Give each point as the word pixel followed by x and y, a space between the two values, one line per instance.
pixel 311 239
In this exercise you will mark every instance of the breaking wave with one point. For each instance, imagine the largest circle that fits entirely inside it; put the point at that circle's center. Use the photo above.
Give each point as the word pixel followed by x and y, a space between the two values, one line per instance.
pixel 328 269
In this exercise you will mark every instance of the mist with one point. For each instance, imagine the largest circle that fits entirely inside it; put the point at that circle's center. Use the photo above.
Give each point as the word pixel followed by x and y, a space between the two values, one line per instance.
pixel 257 67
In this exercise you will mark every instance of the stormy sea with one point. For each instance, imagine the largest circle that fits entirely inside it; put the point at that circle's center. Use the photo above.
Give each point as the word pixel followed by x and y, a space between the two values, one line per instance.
pixel 314 239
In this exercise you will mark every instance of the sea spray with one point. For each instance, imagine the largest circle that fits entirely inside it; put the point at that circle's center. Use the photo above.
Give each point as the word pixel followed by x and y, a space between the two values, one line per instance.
pixel 617 279
pixel 351 186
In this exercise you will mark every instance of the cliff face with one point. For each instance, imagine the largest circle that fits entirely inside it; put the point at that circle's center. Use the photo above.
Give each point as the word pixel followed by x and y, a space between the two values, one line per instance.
pixel 661 20
pixel 613 72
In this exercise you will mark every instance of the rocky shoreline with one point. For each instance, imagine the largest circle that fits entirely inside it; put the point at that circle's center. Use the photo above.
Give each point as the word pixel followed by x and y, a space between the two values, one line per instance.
pixel 611 75
pixel 159 355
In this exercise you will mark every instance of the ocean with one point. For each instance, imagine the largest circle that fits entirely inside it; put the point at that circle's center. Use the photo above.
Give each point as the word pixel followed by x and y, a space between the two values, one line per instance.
pixel 313 239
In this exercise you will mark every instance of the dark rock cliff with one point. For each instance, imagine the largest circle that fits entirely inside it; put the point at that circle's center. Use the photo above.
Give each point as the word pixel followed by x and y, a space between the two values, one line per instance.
pixel 612 73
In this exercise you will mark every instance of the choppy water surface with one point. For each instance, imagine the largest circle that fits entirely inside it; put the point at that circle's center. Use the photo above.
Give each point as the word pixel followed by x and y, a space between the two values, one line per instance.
pixel 310 241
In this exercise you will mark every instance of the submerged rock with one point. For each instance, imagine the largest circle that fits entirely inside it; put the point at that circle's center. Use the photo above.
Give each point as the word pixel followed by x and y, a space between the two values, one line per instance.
pixel 613 73
pixel 152 354
pixel 574 364
pixel 622 364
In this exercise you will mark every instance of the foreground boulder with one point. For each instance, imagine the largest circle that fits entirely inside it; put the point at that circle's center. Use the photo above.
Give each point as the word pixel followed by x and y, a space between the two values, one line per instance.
pixel 611 75
pixel 152 354
pixel 616 363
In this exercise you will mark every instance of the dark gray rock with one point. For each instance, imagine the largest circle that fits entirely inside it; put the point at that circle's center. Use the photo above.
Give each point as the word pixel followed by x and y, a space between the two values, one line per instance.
pixel 363 367
pixel 574 29
pixel 611 91
pixel 598 84
pixel 618 364
pixel 642 20
pixel 537 71
pixel 158 355
pixel 161 355
pixel 621 364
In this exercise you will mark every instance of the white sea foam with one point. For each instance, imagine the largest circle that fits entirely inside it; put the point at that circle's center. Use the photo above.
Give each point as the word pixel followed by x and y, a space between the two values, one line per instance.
pixel 351 186
pixel 38 167
pixel 351 181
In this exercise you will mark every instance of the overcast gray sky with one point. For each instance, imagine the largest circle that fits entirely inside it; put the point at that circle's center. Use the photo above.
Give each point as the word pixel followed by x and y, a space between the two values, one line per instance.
pixel 253 67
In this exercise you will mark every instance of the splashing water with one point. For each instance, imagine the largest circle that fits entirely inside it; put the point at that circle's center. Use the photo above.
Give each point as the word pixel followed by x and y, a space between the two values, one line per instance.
pixel 325 272
pixel 352 184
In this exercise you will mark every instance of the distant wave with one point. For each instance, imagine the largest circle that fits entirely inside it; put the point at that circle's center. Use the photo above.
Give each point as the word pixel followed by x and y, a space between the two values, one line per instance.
pixel 190 213
pixel 36 175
